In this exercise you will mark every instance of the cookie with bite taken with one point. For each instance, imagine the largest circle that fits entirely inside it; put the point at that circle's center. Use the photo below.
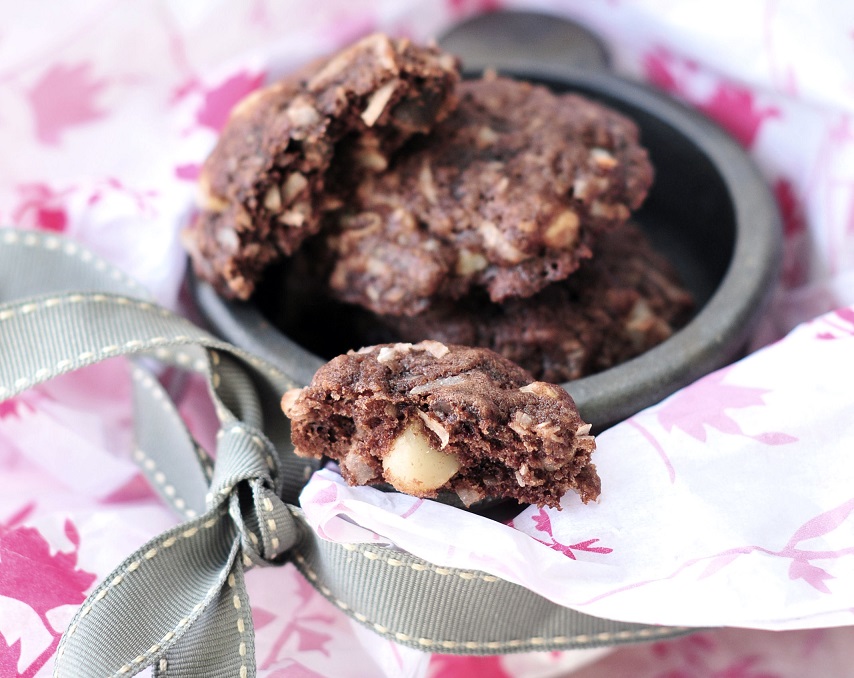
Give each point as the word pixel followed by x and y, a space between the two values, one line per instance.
pixel 429 418
pixel 266 185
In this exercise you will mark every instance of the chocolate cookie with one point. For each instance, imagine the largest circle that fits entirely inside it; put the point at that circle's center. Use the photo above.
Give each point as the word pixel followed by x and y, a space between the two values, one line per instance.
pixel 620 303
pixel 507 194
pixel 266 184
pixel 429 417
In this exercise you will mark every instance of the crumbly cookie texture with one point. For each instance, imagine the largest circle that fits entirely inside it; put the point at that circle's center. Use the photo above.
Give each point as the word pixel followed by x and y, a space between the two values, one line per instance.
pixel 508 194
pixel 429 417
pixel 619 304
pixel 267 183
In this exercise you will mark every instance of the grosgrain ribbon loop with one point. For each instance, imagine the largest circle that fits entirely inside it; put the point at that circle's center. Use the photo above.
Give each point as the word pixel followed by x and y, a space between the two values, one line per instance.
pixel 246 524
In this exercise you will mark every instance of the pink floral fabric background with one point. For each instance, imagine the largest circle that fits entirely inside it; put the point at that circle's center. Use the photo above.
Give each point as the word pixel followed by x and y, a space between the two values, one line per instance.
pixel 107 109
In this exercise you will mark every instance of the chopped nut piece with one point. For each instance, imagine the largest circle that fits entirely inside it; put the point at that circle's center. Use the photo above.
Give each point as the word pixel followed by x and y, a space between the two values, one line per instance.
pixel 425 180
pixel 301 113
pixel 541 389
pixel 609 210
pixel 207 199
pixel 603 158
pixel 436 427
pixel 388 353
pixel 414 465
pixel 372 160
pixel 469 495
pixel 296 216
pixel 521 423
pixel 435 348
pixel 294 183
pixel 562 233
pixel 436 383
pixel 358 468
pixel 486 136
pixel 247 103
pixel 289 399
pixel 469 262
pixel 378 101
pixel 494 240
pixel 273 200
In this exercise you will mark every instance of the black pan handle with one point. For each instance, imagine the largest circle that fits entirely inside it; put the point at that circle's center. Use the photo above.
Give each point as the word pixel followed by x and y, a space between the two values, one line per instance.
pixel 519 40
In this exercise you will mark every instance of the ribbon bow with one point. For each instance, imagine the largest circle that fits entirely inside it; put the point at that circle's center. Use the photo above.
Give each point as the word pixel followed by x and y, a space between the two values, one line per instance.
pixel 179 603
pixel 184 591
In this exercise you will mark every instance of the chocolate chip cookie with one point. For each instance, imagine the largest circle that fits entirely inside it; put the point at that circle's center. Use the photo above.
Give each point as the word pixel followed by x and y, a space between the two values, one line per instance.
pixel 267 184
pixel 428 417
pixel 508 194
pixel 619 304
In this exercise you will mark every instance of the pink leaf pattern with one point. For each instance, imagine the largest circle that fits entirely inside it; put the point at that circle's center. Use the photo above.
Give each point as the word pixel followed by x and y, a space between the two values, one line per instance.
pixel 542 523
pixel 812 575
pixel 695 657
pixel 219 101
pixel 465 7
pixel 302 627
pixel 261 617
pixel 188 172
pixel 30 573
pixel 295 670
pixel 136 489
pixel 729 653
pixel 143 199
pixel 327 495
pixel 11 408
pixel 794 222
pixel 10 655
pixel 842 321
pixel 65 96
pixel 800 567
pixel 451 666
pixel 736 110
pixel 795 229
pixel 705 402
pixel 41 207
pixel 734 107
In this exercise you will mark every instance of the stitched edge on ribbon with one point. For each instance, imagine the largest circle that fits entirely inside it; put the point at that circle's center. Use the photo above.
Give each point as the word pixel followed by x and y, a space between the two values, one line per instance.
pixel 157 476
pixel 72 249
pixel 169 539
pixel 130 347
pixel 378 555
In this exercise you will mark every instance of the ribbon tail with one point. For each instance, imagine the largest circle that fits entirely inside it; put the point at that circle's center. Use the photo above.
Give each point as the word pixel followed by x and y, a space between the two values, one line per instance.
pixel 158 595
pixel 222 643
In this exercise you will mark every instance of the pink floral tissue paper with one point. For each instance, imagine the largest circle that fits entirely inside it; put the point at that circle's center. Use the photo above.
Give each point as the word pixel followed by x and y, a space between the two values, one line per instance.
pixel 728 504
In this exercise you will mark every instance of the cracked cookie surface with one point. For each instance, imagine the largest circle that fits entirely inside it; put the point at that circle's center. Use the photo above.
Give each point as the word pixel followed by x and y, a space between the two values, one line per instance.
pixel 508 195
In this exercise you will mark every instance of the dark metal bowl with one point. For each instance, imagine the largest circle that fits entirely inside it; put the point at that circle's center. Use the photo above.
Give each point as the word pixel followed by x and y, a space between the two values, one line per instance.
pixel 709 211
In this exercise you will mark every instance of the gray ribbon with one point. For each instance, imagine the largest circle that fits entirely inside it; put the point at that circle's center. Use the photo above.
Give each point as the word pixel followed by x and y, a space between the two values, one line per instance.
pixel 179 603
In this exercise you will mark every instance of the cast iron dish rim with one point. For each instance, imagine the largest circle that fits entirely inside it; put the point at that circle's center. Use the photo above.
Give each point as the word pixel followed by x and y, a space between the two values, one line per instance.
pixel 712 339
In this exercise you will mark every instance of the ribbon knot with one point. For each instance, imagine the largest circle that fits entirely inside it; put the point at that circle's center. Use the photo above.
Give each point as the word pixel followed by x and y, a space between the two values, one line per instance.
pixel 183 593
pixel 247 478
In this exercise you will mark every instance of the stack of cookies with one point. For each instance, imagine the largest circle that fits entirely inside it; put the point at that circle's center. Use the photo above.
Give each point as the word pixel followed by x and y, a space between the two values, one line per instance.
pixel 487 212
